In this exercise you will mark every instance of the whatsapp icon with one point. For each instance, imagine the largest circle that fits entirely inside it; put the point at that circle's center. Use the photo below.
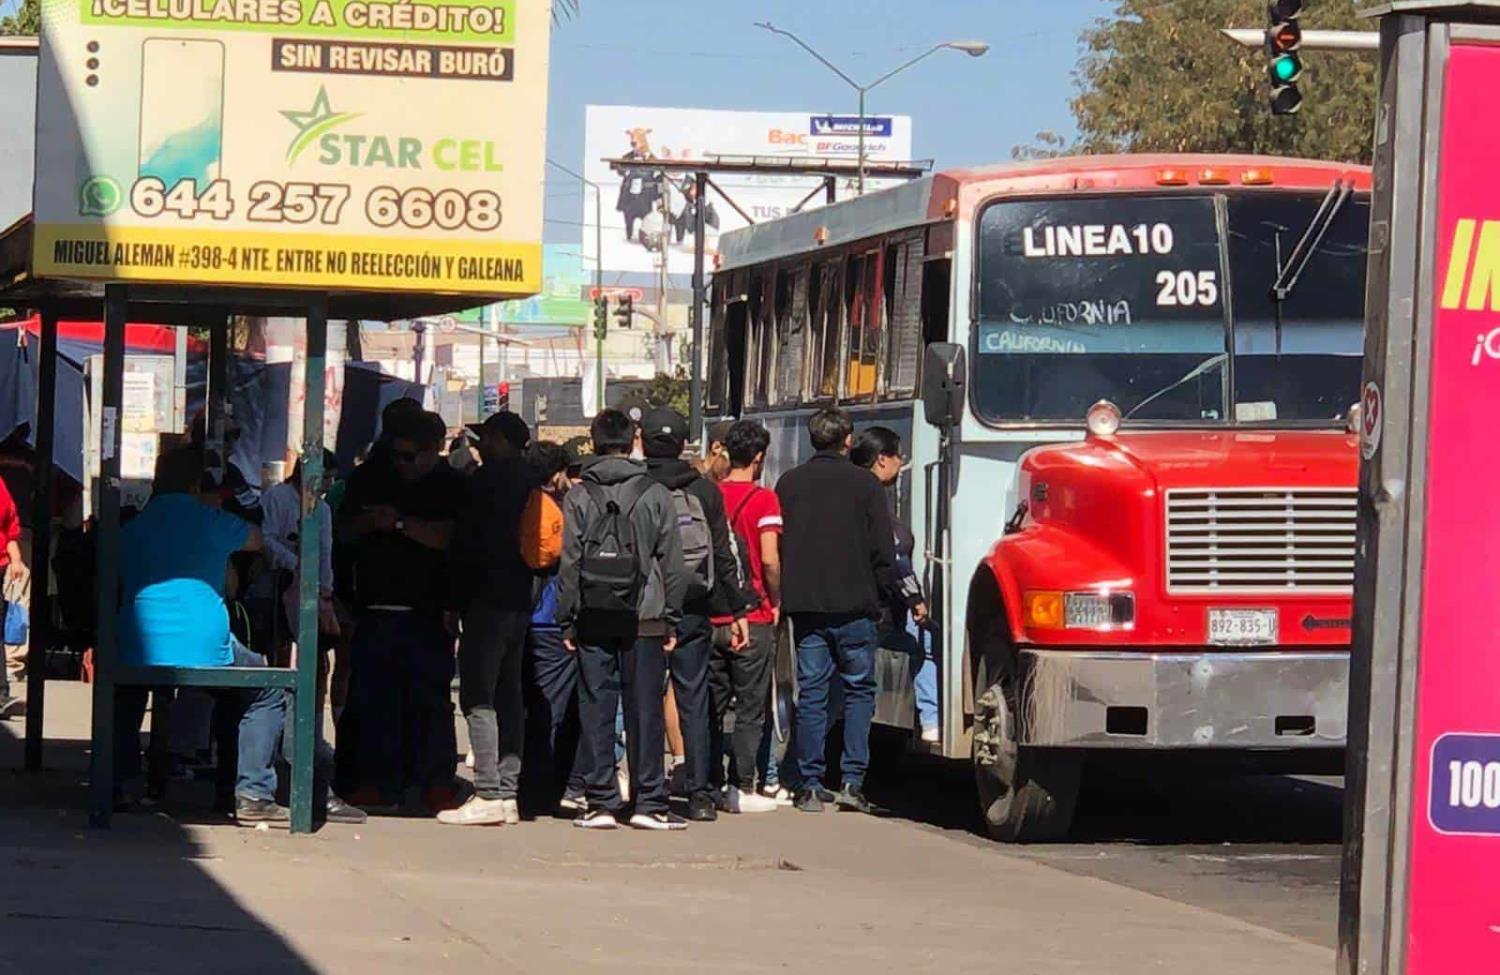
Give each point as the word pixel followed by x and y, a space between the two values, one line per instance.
pixel 99 196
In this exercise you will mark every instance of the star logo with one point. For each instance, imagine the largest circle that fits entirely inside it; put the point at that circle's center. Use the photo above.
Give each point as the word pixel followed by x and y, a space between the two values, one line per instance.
pixel 313 123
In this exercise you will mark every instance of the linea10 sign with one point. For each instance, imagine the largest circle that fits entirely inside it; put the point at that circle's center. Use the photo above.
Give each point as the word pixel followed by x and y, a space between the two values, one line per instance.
pixel 336 144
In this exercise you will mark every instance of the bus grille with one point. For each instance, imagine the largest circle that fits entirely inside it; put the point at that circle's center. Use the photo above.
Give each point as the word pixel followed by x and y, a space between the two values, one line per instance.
pixel 1260 540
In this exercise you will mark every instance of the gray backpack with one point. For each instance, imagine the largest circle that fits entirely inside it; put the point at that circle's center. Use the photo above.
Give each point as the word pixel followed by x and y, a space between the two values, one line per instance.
pixel 697 543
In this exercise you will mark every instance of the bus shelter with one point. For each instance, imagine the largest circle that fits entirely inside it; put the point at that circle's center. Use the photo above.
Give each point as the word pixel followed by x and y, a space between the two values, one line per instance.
pixel 181 306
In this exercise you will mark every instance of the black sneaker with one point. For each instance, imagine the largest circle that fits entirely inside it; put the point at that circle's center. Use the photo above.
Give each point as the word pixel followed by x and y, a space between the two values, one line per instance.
pixel 701 808
pixel 597 818
pixel 808 800
pixel 852 799
pixel 11 707
pixel 826 794
pixel 339 811
pixel 248 810
pixel 658 821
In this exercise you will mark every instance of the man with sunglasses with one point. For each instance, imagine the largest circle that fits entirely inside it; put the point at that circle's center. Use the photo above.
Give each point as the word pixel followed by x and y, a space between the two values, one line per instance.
pixel 396 736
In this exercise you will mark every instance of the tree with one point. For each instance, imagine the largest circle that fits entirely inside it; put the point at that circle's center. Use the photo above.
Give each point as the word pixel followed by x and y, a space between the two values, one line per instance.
pixel 26 20
pixel 1159 77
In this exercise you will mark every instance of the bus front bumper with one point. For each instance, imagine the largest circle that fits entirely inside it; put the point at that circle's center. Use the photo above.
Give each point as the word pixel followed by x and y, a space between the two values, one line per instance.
pixel 1194 700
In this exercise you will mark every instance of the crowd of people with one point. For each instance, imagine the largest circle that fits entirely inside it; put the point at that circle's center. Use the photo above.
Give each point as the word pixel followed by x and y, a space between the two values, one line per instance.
pixel 601 611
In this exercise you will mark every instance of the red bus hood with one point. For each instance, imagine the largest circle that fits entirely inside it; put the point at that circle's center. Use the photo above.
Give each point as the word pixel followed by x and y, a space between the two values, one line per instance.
pixel 1242 458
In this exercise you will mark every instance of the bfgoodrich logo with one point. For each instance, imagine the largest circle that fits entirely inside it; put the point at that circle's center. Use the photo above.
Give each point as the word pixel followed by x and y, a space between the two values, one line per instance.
pixel 313 123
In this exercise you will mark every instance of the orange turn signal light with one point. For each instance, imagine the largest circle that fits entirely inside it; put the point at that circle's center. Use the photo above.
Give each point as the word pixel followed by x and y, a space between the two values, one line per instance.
pixel 1257 177
pixel 1213 177
pixel 1171 177
pixel 1043 610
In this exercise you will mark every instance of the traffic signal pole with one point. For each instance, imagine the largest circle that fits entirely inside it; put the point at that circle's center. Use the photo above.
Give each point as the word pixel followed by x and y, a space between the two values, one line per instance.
pixel 1421 871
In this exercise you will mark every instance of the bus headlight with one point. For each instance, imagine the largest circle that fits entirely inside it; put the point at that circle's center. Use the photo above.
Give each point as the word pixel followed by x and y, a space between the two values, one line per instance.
pixel 1081 610
pixel 1103 419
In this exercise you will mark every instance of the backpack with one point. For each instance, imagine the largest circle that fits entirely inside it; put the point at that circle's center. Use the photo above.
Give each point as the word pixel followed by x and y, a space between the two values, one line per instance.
pixel 541 531
pixel 741 550
pixel 610 577
pixel 697 543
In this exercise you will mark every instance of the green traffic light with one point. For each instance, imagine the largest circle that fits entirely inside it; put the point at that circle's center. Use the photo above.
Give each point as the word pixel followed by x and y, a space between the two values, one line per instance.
pixel 1285 69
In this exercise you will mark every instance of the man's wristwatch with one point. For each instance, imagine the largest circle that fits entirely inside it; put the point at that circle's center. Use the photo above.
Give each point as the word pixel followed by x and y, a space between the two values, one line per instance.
pixel 400 524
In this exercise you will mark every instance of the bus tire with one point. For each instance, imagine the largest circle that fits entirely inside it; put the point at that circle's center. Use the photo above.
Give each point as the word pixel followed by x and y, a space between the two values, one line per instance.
pixel 1026 795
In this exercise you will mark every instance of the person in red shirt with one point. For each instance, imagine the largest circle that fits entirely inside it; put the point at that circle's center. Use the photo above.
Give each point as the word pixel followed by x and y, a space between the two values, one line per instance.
pixel 16 573
pixel 744 675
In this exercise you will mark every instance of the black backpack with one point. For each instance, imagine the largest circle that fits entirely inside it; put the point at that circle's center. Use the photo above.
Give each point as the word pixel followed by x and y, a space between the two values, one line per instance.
pixel 741 549
pixel 610 578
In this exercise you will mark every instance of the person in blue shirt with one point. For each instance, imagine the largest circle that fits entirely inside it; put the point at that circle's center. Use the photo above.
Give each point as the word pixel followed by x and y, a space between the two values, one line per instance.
pixel 174 562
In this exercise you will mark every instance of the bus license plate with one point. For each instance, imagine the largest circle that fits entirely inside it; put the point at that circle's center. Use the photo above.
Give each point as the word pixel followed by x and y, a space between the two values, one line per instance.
pixel 1242 627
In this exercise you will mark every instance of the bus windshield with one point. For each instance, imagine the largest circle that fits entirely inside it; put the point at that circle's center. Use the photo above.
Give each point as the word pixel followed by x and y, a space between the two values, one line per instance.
pixel 1126 299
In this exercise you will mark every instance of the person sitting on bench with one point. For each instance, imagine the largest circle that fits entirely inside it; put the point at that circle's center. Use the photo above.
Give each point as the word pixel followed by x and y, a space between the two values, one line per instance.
pixel 174 558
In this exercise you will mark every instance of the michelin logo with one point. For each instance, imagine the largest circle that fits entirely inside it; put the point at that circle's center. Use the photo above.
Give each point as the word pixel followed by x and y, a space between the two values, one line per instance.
pixel 878 127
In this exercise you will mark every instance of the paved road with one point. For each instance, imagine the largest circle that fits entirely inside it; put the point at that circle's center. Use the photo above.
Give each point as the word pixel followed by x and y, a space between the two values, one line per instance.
pixel 1264 849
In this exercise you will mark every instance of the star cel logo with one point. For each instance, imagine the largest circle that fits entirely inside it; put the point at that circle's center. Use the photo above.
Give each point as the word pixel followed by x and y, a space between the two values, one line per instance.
pixel 313 123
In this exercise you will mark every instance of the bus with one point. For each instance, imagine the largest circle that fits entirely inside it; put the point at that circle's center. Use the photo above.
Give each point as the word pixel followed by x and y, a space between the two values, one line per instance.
pixel 1127 387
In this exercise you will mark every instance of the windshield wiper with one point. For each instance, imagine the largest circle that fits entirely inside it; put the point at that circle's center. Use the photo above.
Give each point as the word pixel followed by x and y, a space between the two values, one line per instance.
pixel 1198 370
pixel 1289 273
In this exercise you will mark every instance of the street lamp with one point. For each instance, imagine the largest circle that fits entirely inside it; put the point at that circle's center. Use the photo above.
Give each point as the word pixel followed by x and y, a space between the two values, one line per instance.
pixel 974 49
pixel 598 265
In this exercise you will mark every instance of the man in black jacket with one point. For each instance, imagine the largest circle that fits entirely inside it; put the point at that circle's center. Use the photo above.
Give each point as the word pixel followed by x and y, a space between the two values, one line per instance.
pixel 838 568
pixel 716 592
pixel 491 590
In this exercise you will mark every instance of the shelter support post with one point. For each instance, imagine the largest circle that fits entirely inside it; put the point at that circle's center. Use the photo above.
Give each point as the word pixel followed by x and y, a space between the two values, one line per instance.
pixel 41 540
pixel 107 538
pixel 305 714
pixel 700 227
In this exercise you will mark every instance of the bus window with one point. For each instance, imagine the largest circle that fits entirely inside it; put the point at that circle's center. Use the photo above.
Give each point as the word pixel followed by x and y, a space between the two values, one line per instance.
pixel 717 360
pixel 736 314
pixel 903 295
pixel 1086 299
pixel 862 300
pixel 825 335
pixel 791 324
pixel 756 316
pixel 937 276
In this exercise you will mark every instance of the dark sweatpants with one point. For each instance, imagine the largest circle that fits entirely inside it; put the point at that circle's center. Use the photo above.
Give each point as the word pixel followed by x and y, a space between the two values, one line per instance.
pixel 397 727
pixel 554 761
pixel 489 692
pixel 744 677
pixel 689 665
pixel 635 667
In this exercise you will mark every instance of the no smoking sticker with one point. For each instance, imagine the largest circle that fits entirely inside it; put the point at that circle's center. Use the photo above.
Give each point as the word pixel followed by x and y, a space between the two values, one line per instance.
pixel 1371 420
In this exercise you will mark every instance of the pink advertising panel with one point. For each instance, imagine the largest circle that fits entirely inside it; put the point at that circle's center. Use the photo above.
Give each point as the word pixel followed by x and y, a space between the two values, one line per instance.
pixel 1453 918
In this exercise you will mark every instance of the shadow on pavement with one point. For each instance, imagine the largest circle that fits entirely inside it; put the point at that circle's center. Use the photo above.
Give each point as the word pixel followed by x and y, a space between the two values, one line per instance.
pixel 1161 806
pixel 138 897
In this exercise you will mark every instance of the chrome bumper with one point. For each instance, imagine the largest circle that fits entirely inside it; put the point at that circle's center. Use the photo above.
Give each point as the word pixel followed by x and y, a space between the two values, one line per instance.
pixel 1189 700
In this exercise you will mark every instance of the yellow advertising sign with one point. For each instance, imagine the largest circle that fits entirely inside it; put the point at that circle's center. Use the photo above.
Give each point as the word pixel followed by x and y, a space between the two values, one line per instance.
pixel 359 145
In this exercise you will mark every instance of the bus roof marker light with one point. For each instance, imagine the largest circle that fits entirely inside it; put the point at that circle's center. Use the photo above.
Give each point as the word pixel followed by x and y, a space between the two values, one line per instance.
pixel 820 236
pixel 1257 177
pixel 1213 177
pixel 1171 177
pixel 1103 419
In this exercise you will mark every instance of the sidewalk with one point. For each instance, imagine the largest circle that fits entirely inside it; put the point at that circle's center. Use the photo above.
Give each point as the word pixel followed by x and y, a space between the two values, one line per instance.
pixel 783 891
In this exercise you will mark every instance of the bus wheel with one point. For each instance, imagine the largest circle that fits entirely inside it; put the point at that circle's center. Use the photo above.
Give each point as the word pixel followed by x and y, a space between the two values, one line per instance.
pixel 1025 795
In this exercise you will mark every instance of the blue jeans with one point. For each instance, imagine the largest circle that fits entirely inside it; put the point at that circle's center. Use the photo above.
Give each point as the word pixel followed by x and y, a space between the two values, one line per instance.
pixel 827 645
pixel 259 730
pixel 925 683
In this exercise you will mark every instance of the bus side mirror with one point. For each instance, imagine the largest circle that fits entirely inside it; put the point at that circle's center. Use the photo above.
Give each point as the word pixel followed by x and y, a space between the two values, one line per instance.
pixel 943 378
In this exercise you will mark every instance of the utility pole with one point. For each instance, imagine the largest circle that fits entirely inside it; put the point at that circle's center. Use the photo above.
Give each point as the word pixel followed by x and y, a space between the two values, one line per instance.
pixel 598 265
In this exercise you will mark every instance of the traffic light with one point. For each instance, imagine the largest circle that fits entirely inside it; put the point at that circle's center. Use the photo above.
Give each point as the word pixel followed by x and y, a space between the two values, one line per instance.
pixel 1284 67
pixel 625 311
pixel 601 317
pixel 502 397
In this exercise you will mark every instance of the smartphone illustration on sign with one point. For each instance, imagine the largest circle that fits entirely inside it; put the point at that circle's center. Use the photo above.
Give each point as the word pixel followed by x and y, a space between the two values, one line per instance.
pixel 182 110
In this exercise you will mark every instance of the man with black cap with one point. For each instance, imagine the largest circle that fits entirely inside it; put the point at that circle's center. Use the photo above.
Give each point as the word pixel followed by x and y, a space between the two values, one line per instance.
pixel 713 590
pixel 490 590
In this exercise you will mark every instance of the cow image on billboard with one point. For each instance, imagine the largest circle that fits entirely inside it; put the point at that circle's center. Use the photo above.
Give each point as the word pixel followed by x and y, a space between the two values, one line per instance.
pixel 648 212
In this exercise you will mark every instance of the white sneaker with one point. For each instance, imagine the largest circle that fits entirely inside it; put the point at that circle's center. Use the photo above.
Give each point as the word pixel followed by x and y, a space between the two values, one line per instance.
pixel 750 802
pixel 658 821
pixel 572 804
pixel 931 735
pixel 777 794
pixel 512 812
pixel 475 812
pixel 469 759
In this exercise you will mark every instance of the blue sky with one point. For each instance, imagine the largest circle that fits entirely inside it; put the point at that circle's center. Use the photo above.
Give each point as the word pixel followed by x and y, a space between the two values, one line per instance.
pixel 706 54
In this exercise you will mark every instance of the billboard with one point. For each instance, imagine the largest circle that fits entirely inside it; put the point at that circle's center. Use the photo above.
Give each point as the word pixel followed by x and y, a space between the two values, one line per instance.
pixel 330 144
pixel 651 212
